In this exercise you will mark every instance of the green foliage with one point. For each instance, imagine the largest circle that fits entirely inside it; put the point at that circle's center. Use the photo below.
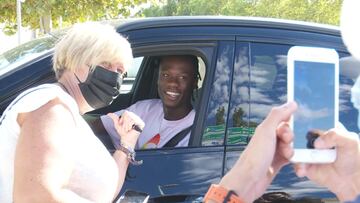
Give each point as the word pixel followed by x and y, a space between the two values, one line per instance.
pixel 36 11
pixel 320 11
pixel 238 118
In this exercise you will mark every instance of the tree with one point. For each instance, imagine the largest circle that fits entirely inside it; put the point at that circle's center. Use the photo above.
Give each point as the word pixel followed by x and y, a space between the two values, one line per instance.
pixel 43 14
pixel 320 11
pixel 238 118
pixel 220 115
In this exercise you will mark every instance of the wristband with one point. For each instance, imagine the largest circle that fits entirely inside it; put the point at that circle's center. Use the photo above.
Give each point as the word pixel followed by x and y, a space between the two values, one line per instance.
pixel 220 194
pixel 130 154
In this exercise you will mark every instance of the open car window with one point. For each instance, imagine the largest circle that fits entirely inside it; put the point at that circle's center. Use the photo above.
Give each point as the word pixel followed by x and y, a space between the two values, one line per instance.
pixel 131 74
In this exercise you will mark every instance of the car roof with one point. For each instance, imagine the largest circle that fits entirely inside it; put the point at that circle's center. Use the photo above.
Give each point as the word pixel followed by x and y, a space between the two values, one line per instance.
pixel 131 24
pixel 231 21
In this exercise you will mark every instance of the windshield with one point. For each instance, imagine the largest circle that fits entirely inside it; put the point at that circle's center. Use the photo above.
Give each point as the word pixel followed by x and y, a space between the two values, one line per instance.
pixel 27 51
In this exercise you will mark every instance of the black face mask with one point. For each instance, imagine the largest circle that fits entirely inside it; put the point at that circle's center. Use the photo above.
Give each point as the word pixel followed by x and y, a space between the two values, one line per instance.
pixel 101 87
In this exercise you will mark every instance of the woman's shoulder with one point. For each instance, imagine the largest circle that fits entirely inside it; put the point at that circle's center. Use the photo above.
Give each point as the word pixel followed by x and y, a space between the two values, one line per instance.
pixel 36 97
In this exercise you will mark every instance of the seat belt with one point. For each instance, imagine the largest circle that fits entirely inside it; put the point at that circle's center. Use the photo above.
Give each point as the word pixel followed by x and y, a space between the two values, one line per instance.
pixel 178 137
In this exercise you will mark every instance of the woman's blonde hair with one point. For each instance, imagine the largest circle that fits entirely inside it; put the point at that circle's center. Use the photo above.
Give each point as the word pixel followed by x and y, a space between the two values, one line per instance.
pixel 90 44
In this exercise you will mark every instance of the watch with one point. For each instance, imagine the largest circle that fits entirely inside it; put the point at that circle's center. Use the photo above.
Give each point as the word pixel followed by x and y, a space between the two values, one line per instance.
pixel 130 154
pixel 220 194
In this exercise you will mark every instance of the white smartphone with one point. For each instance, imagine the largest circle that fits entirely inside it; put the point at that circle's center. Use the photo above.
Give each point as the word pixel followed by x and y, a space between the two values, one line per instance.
pixel 313 82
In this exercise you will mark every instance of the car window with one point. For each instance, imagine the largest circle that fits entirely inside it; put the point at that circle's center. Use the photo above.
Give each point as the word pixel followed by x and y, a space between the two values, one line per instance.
pixel 131 74
pixel 252 101
pixel 256 89
pixel 268 79
pixel 217 109
pixel 349 71
pixel 150 67
pixel 25 52
pixel 238 130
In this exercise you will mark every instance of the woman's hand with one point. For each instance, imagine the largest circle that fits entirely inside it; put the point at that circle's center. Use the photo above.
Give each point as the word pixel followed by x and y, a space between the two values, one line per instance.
pixel 269 150
pixel 342 176
pixel 128 126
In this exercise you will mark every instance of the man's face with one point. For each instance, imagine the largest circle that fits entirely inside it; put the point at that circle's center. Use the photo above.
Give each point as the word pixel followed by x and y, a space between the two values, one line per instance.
pixel 176 81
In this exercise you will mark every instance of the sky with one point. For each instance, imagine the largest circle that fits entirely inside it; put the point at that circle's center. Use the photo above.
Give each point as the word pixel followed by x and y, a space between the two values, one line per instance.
pixel 315 95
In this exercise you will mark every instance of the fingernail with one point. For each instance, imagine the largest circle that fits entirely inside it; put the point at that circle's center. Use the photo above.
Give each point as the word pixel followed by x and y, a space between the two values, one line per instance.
pixel 289 104
pixel 319 143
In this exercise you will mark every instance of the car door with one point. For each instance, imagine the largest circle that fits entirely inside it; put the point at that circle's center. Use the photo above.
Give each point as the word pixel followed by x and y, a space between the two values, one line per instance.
pixel 188 170
pixel 260 83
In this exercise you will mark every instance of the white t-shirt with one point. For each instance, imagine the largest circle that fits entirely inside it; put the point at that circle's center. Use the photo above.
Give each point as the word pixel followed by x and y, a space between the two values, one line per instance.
pixel 158 131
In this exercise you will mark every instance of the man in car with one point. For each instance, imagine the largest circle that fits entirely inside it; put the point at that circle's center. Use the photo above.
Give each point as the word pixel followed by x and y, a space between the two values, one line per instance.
pixel 170 116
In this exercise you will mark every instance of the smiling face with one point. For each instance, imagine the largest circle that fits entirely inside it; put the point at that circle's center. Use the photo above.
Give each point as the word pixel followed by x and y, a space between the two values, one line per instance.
pixel 176 82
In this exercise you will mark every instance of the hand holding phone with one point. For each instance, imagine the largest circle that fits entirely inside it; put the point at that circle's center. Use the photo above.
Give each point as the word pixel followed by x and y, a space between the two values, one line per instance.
pixel 313 82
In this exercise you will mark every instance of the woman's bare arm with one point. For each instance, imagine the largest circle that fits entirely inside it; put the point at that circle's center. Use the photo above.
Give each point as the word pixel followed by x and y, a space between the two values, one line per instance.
pixel 129 137
pixel 42 160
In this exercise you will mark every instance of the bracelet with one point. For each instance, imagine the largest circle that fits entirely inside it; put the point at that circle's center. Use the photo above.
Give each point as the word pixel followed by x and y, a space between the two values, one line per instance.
pixel 220 194
pixel 130 154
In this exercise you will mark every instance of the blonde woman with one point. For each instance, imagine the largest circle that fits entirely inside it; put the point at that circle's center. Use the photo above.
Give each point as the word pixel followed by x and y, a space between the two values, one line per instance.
pixel 48 153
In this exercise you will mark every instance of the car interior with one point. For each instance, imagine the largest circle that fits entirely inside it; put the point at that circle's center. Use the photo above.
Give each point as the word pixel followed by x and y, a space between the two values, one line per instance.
pixel 143 86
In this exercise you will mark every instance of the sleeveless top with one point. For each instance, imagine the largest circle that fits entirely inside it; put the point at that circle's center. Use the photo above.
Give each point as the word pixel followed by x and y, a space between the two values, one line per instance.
pixel 95 173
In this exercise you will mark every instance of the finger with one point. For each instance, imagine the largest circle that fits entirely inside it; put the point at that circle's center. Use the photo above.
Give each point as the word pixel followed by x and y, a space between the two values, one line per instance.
pixel 284 133
pixel 114 117
pixel 285 150
pixel 280 114
pixel 340 138
pixel 118 123
pixel 300 170
pixel 128 122
pixel 285 138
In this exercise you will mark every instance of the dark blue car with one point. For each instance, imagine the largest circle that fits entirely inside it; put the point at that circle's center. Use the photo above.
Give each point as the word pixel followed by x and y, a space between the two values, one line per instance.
pixel 244 74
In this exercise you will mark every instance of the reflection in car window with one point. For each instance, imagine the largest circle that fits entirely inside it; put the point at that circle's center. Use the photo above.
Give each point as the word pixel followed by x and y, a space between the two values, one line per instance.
pixel 238 130
pixel 217 109
pixel 348 70
pixel 256 89
pixel 26 52
pixel 268 76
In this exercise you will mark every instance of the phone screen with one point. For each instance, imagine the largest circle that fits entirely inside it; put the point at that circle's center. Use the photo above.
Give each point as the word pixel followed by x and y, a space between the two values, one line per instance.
pixel 314 92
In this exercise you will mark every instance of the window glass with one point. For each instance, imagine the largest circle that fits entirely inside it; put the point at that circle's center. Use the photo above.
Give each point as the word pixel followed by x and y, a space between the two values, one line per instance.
pixel 217 109
pixel 268 79
pixel 238 129
pixel 349 71
pixel 23 53
pixel 268 76
pixel 129 80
